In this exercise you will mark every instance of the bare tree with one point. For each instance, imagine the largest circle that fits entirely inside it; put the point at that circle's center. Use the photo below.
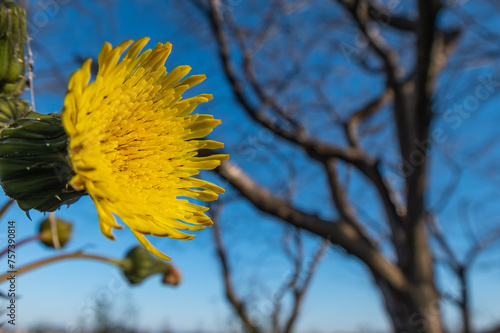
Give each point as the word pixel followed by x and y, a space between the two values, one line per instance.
pixel 367 98
pixel 280 57
pixel 296 283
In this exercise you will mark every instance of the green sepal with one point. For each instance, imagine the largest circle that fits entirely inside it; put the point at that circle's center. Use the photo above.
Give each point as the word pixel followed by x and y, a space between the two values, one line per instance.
pixel 35 169
pixel 139 264
pixel 11 109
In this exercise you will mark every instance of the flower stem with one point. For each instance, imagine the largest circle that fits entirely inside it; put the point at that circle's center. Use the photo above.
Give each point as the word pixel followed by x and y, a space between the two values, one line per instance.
pixel 74 255
pixel 21 242
pixel 5 207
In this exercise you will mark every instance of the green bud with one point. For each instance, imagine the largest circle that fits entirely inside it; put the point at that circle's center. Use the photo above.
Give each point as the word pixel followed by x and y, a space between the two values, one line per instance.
pixel 34 165
pixel 139 264
pixel 12 39
pixel 11 108
pixel 62 228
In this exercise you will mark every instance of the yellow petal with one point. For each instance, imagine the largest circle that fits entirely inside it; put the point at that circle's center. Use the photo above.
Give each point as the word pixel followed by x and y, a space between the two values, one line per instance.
pixel 131 142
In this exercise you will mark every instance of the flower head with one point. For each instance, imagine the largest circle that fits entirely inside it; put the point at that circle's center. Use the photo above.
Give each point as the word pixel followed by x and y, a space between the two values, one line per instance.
pixel 133 143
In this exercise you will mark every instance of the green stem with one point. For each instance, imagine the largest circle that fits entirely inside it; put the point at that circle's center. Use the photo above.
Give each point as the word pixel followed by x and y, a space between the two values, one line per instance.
pixel 74 255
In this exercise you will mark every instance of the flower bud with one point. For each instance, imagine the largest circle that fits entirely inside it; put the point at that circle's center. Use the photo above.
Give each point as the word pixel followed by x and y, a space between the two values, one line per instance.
pixel 34 165
pixel 173 276
pixel 11 109
pixel 139 264
pixel 63 231
pixel 12 39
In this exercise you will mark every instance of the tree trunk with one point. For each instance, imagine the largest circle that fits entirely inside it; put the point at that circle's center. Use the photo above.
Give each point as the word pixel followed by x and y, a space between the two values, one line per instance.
pixel 415 311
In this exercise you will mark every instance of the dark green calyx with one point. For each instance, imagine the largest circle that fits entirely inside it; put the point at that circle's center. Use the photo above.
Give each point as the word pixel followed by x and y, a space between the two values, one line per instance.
pixel 11 109
pixel 12 39
pixel 140 264
pixel 34 165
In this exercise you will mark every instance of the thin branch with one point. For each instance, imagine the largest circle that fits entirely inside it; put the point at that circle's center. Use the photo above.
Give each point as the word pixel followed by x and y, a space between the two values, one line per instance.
pixel 341 202
pixel 366 111
pixel 267 26
pixel 482 244
pixel 237 304
pixel 300 291
pixel 454 263
pixel 360 12
pixel 448 192
pixel 462 268
pixel 318 150
pixel 338 233
pixel 265 99
pixel 385 17
pixel 297 258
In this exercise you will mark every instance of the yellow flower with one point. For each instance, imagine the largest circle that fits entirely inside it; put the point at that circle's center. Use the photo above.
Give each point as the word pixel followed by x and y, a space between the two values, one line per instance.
pixel 133 143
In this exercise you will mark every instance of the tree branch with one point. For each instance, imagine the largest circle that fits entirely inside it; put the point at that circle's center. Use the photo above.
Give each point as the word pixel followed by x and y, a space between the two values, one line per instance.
pixel 338 233
pixel 360 12
pixel 237 304
pixel 300 291
pixel 266 99
pixel 366 111
pixel 318 150
pixel 345 209
pixel 384 16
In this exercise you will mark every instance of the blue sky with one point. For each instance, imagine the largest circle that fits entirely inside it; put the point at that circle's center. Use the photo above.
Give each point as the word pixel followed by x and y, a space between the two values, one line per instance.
pixel 341 297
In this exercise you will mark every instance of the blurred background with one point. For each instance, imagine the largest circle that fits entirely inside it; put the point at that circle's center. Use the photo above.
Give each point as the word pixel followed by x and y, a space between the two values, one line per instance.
pixel 361 191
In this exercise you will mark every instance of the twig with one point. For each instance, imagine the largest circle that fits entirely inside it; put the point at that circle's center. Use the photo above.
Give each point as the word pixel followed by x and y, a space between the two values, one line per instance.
pixel 237 304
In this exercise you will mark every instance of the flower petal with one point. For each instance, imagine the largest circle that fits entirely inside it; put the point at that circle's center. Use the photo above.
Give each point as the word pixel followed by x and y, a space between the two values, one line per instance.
pixel 134 142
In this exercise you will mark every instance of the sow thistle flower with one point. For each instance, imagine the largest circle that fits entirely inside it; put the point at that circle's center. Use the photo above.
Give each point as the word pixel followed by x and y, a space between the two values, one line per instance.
pixel 127 139
pixel 133 143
